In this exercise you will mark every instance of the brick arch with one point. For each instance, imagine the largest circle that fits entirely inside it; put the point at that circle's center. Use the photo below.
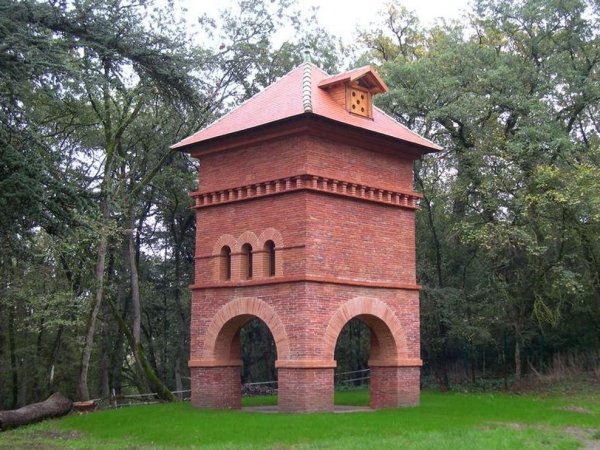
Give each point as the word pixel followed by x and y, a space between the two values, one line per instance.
pixel 225 239
pixel 271 234
pixel 388 340
pixel 220 338
pixel 247 237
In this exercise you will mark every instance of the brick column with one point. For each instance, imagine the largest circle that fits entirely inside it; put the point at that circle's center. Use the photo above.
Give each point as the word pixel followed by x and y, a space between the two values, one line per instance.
pixel 394 386
pixel 217 386
pixel 302 387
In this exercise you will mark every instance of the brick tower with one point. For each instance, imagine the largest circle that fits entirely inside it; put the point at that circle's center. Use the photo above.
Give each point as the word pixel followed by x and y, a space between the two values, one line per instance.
pixel 305 220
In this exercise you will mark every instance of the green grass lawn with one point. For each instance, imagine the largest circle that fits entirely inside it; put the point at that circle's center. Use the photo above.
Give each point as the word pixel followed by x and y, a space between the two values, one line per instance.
pixel 443 421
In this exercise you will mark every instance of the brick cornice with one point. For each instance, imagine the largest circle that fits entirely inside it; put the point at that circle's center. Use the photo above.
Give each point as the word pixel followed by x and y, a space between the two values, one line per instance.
pixel 196 362
pixel 306 278
pixel 308 182
pixel 400 362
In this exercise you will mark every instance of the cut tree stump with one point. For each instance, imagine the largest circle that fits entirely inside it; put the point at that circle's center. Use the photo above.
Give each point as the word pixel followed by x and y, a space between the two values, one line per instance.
pixel 54 406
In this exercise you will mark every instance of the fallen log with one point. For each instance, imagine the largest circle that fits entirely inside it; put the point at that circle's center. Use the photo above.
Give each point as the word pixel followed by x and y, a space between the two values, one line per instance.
pixel 54 406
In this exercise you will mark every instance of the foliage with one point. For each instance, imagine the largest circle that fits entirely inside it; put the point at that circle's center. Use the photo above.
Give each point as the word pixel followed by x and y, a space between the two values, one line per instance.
pixel 508 231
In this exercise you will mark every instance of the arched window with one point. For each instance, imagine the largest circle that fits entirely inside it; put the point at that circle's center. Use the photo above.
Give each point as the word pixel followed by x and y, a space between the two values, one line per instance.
pixel 269 251
pixel 246 261
pixel 225 269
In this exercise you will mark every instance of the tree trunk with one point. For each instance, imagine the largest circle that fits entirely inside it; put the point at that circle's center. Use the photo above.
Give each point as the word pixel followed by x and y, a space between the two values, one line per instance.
pixel 91 323
pixel 13 355
pixel 40 372
pixel 140 357
pixel 53 356
pixel 136 315
pixel 55 406
pixel 517 361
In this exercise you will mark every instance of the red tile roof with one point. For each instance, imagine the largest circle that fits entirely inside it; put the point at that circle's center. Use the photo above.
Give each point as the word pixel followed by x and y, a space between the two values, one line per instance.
pixel 298 93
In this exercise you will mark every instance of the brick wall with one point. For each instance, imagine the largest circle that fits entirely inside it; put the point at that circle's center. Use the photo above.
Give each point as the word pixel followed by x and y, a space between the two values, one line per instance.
pixel 216 387
pixel 305 154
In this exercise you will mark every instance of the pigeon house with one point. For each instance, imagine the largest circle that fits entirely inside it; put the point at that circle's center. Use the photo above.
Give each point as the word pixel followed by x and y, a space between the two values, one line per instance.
pixel 305 220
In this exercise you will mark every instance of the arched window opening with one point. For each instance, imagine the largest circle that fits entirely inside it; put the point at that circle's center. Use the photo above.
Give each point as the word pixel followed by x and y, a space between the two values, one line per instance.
pixel 247 261
pixel 225 263
pixel 269 250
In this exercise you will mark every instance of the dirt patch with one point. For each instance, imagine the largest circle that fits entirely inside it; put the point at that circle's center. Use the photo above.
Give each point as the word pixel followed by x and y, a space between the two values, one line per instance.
pixel 37 440
pixel 577 409
pixel 588 437
pixel 53 434
pixel 511 425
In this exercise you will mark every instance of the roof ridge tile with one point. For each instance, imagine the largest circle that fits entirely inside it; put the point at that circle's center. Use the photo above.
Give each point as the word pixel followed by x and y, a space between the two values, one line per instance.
pixel 306 87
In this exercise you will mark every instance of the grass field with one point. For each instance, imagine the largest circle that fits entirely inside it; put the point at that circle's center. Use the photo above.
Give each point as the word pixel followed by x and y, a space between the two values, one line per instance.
pixel 443 421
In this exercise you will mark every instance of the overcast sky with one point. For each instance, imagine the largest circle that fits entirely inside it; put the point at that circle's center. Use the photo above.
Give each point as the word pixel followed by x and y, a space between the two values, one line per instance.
pixel 344 17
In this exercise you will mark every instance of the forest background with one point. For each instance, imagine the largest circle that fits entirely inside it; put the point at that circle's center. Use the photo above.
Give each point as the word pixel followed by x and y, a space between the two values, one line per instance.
pixel 97 233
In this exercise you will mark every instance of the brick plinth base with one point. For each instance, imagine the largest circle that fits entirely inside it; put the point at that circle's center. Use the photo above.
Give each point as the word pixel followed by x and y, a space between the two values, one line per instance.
pixel 305 389
pixel 392 387
pixel 216 387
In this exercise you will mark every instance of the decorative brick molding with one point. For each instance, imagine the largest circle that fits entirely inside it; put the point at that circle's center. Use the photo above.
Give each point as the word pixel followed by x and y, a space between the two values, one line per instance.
pixel 390 340
pixel 306 364
pixel 260 260
pixel 224 240
pixel 271 234
pixel 307 182
pixel 214 362
pixel 247 237
pixel 230 318
pixel 309 278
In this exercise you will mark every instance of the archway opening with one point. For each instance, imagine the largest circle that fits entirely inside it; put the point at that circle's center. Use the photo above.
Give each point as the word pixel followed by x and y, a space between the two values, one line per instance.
pixel 364 341
pixel 352 356
pixel 248 342
pixel 258 353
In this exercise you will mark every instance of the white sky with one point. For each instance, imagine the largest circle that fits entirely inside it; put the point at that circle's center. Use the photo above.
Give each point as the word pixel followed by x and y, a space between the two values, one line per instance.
pixel 344 17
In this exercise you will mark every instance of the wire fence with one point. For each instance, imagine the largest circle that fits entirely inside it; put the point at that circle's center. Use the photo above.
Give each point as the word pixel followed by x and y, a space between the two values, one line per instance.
pixel 342 380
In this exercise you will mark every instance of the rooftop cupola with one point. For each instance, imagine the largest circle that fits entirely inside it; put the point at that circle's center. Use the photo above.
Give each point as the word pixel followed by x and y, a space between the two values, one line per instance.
pixel 354 90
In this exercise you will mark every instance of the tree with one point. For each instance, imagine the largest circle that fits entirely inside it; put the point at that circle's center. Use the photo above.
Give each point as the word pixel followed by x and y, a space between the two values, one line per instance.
pixel 511 102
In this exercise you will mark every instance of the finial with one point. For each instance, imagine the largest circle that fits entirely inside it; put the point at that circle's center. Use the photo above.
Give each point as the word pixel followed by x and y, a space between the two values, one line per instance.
pixel 306 55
